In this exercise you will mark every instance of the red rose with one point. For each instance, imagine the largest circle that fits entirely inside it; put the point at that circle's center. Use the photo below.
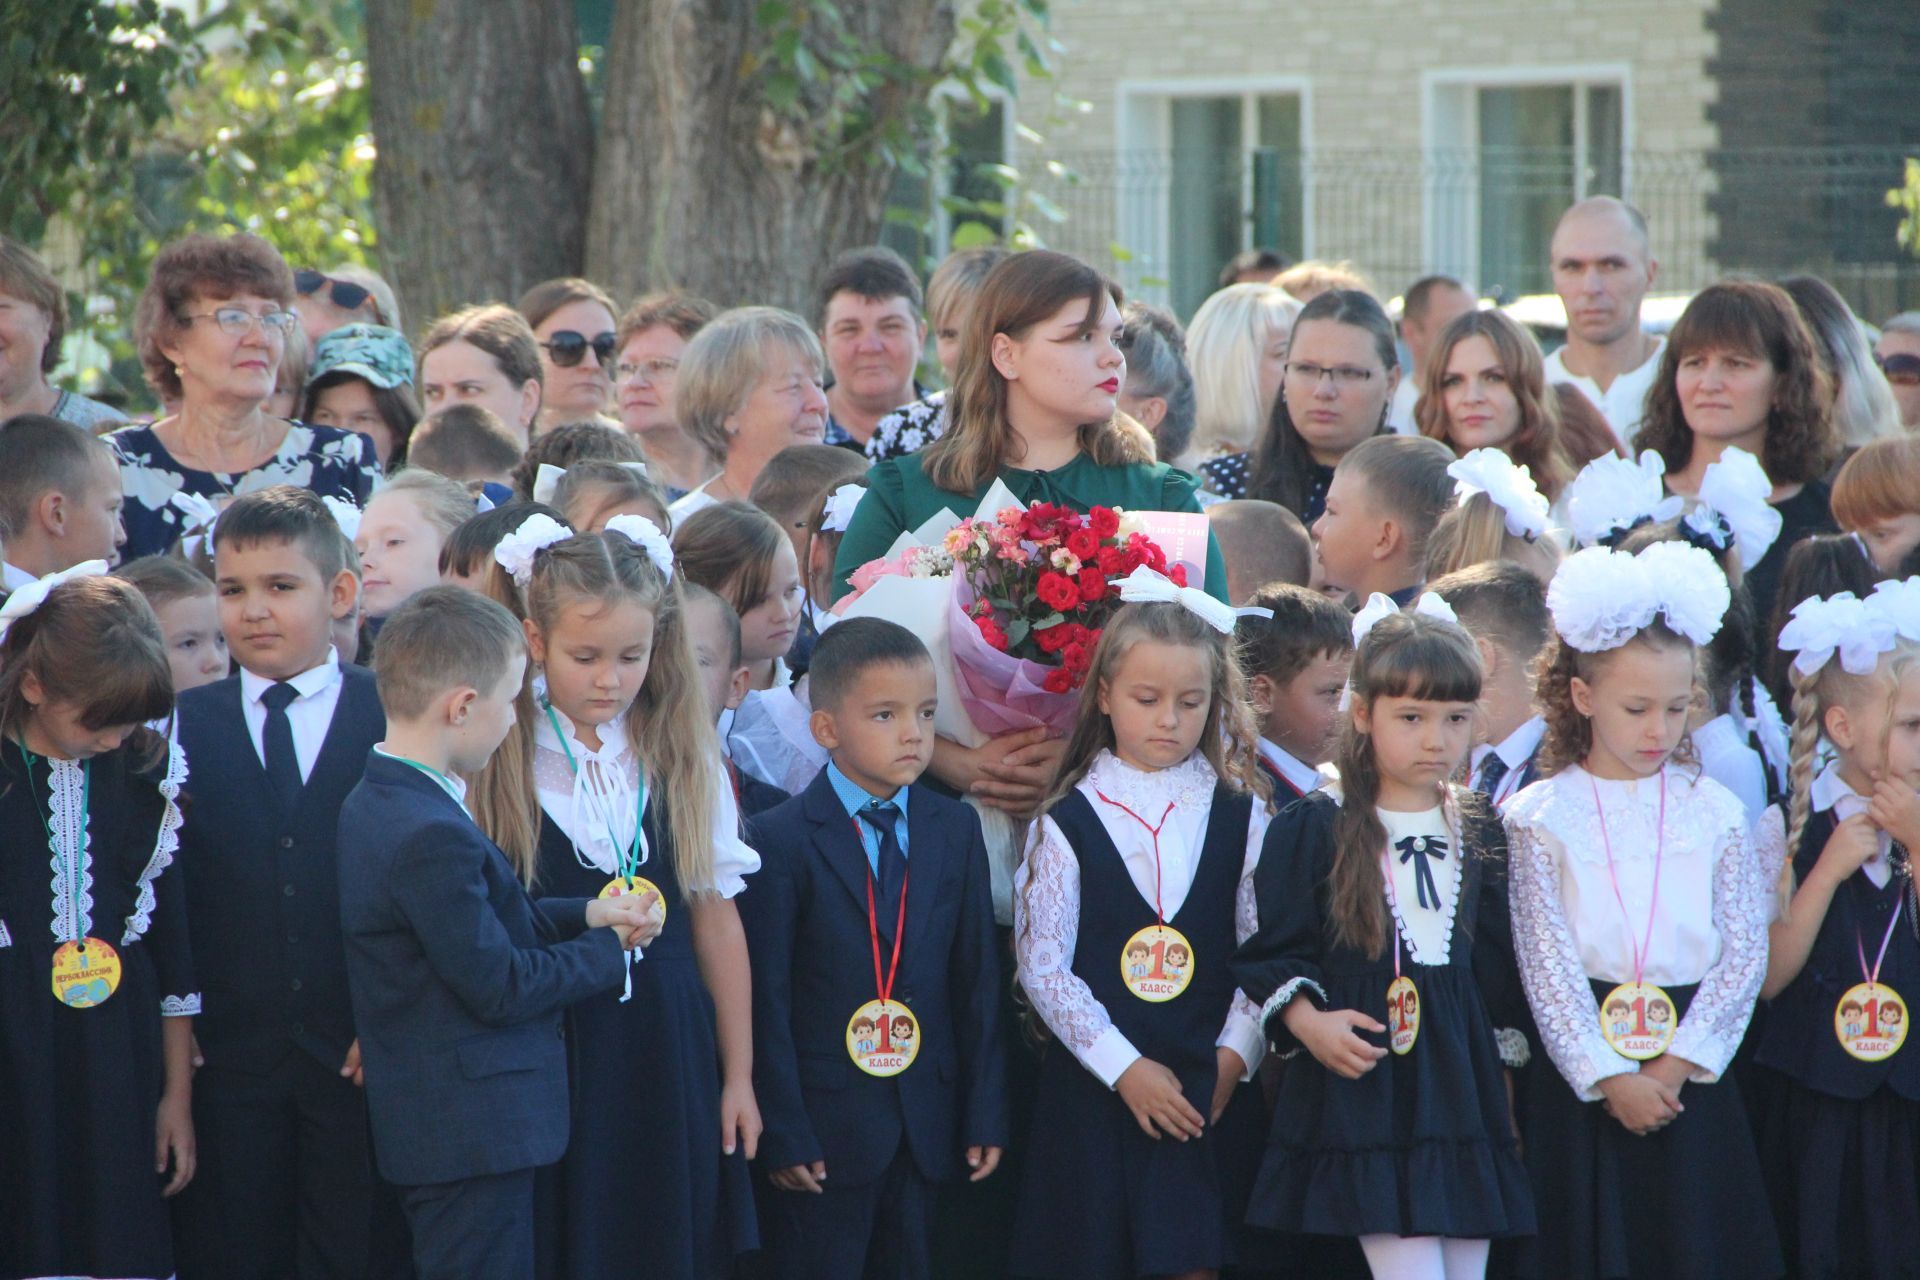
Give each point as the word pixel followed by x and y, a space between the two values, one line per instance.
pixel 1058 681
pixel 1076 658
pixel 1057 591
pixel 1055 638
pixel 1105 521
pixel 990 631
pixel 1042 520
pixel 1093 584
pixel 1178 575
pixel 1084 544
pixel 1113 562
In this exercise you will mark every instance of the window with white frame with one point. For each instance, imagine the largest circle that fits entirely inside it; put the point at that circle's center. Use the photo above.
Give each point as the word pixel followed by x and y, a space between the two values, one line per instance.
pixel 1506 155
pixel 1206 170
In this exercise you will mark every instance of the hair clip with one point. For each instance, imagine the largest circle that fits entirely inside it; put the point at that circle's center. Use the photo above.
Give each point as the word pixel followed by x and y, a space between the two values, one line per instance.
pixel 30 597
pixel 838 515
pixel 516 551
pixel 1144 586
pixel 1507 485
pixel 646 535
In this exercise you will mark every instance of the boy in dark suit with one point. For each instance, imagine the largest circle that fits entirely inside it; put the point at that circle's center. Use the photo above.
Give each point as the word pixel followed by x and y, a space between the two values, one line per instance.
pixel 458 977
pixel 286 1184
pixel 859 1128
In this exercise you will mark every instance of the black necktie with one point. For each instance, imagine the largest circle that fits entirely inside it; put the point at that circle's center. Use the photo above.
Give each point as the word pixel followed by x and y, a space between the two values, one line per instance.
pixel 883 816
pixel 1492 771
pixel 283 764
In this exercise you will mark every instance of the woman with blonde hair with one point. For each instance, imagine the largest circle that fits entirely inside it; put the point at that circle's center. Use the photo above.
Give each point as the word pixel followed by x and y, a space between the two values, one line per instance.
pixel 1237 349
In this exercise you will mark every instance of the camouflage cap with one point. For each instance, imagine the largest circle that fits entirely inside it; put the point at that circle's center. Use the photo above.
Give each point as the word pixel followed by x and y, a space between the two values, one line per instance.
pixel 371 351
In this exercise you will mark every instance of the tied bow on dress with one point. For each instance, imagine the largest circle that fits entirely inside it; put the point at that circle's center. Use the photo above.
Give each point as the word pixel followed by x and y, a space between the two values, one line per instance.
pixel 1423 852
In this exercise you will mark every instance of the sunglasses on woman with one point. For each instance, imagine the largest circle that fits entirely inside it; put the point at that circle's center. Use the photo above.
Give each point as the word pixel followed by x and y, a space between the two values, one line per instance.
pixel 341 293
pixel 568 348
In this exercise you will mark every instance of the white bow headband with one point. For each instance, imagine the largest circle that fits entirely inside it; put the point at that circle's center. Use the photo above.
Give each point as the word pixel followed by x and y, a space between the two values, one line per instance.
pixel 34 594
pixel 1378 609
pixel 1507 485
pixel 646 535
pixel 838 516
pixel 548 477
pixel 516 551
pixel 1733 509
pixel 1601 598
pixel 1854 630
pixel 1144 586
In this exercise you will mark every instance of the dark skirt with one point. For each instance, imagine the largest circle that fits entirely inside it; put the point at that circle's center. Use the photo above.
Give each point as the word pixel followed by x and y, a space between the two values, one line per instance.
pixel 1844 1175
pixel 1103 1200
pixel 1686 1202
pixel 1421 1145
pixel 78 1094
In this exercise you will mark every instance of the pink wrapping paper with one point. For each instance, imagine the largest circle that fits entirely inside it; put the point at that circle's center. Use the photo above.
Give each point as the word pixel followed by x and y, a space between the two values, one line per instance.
pixel 1001 693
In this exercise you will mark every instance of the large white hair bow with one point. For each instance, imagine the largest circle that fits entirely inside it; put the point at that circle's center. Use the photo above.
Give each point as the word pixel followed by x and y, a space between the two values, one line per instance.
pixel 1508 485
pixel 34 594
pixel 1733 507
pixel 516 551
pixel 1144 586
pixel 1898 601
pixel 1611 495
pixel 838 517
pixel 200 517
pixel 646 535
pixel 346 515
pixel 1380 607
pixel 1601 598
pixel 1843 626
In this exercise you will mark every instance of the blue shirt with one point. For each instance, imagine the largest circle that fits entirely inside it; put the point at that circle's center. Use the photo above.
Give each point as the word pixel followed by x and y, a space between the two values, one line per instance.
pixel 855 798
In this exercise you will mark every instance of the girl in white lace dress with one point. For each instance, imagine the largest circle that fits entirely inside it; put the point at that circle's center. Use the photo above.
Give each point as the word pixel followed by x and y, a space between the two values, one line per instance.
pixel 97 994
pixel 1639 893
pixel 1135 890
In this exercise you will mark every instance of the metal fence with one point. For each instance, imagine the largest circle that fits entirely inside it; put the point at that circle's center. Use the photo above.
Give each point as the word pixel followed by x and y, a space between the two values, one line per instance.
pixel 1166 221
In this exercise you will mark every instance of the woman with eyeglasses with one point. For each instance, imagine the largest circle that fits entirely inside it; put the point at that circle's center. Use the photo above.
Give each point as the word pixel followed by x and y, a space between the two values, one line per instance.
pixel 1340 375
pixel 211 328
pixel 486 356
pixel 573 322
pixel 652 339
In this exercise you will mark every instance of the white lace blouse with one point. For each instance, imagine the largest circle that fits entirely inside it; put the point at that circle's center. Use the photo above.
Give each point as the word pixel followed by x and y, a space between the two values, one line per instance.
pixel 1709 922
pixel 1046 903
pixel 597 804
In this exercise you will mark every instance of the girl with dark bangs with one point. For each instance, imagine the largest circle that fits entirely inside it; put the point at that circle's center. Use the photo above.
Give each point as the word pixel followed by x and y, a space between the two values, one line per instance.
pixel 1384 951
pixel 1741 370
pixel 97 992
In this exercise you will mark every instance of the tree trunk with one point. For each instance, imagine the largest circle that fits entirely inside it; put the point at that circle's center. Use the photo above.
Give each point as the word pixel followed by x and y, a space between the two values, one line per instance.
pixel 700 184
pixel 485 148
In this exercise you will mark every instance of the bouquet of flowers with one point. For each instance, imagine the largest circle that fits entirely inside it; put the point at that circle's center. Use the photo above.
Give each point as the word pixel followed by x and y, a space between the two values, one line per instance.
pixel 1032 591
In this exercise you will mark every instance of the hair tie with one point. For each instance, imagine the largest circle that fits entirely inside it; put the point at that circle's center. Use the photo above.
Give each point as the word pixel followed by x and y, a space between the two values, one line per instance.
pixel 1611 495
pixel 516 551
pixel 1508 485
pixel 646 535
pixel 838 516
pixel 1601 598
pixel 34 594
pixel 1733 510
pixel 1144 586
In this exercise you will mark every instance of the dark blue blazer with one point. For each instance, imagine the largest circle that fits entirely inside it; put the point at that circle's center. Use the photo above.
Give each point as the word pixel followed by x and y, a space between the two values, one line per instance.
pixel 807 931
pixel 459 979
pixel 263 898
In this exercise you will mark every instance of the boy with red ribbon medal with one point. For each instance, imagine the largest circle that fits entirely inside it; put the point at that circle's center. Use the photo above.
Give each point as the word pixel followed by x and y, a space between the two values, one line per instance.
pixel 97 993
pixel 1640 905
pixel 878 1060
pixel 1383 951
pixel 1132 895
pixel 1845 955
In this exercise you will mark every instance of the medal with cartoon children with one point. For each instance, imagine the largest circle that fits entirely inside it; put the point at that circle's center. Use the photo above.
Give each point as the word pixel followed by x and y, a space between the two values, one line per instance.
pixel 1156 963
pixel 1637 1018
pixel 1871 1018
pixel 86 970
pixel 882 1037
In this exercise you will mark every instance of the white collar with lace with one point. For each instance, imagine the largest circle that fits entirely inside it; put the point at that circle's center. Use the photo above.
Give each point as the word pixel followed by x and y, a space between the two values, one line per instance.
pixel 1191 782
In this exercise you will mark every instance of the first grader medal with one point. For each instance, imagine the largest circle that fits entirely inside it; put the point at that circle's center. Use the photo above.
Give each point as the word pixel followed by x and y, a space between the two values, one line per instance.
pixel 1871 1018
pixel 631 857
pixel 1403 998
pixel 1637 1018
pixel 883 1037
pixel 1157 962
pixel 86 970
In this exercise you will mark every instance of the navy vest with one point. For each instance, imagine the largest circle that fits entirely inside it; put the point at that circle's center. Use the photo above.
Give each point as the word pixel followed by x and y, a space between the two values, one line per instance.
pixel 1179 1033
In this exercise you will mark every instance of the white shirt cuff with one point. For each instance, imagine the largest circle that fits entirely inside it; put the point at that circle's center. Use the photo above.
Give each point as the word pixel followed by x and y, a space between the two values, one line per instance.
pixel 1242 1035
pixel 1110 1056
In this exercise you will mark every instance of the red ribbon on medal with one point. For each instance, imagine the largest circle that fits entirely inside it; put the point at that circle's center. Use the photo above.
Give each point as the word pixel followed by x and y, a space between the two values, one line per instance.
pixel 883 985
pixel 1159 913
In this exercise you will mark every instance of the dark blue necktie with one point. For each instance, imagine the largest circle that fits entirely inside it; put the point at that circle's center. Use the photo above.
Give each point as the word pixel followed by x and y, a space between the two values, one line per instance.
pixel 1493 771
pixel 283 764
pixel 883 816
pixel 1423 851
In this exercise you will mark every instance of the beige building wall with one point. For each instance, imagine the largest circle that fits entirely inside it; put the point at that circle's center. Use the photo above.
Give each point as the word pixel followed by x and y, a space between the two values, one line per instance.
pixel 1385 86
